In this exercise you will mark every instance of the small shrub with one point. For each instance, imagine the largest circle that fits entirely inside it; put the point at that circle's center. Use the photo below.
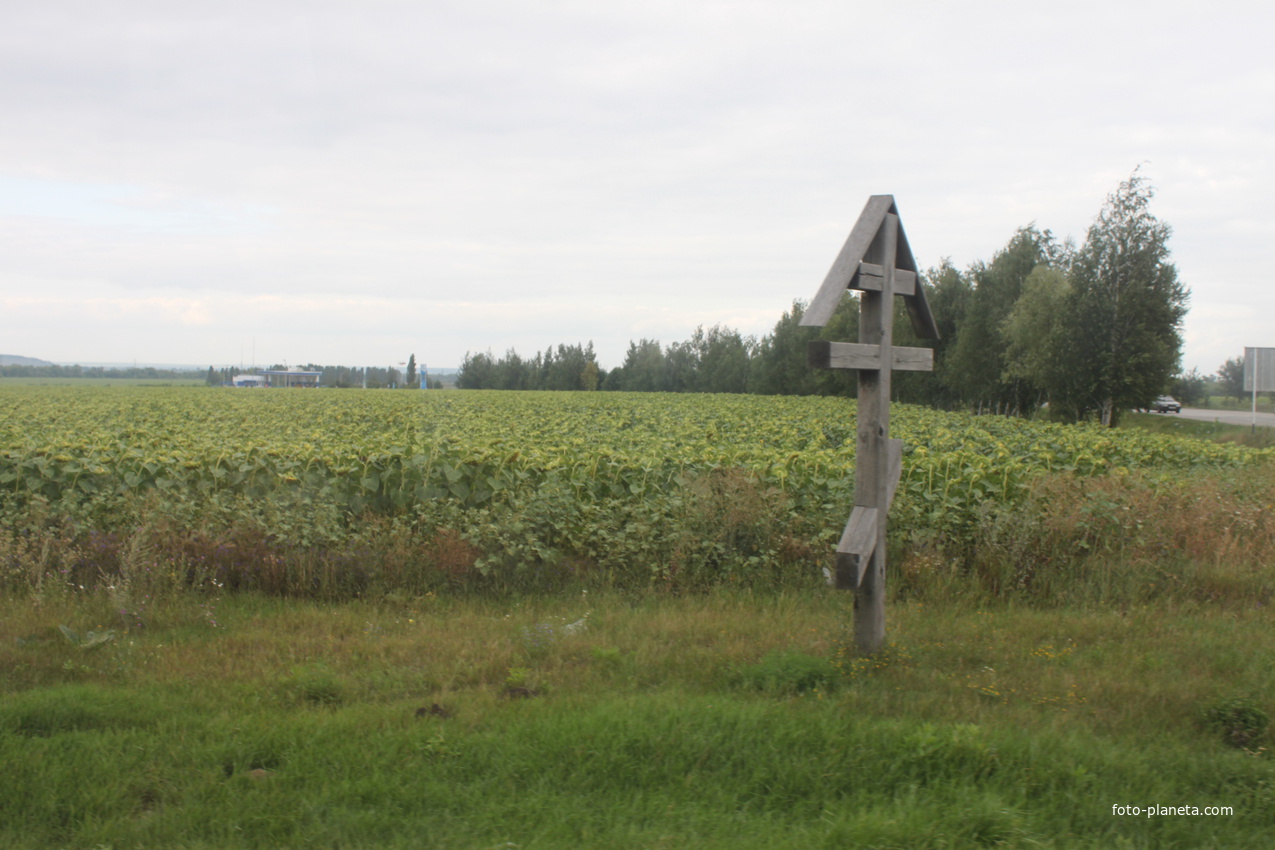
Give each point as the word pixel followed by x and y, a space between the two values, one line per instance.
pixel 790 672
pixel 1240 722
pixel 607 656
pixel 315 684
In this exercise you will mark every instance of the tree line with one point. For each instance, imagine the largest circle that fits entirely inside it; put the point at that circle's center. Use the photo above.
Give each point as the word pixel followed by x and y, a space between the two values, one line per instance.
pixel 714 360
pixel 341 377
pixel 1088 330
pixel 53 370
pixel 570 367
pixel 333 376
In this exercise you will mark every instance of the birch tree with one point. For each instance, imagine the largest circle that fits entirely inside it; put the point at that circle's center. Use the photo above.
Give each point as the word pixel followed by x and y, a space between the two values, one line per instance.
pixel 1124 319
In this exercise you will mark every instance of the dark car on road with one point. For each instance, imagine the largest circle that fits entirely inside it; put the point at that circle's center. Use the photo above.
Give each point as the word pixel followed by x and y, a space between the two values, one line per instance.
pixel 1166 404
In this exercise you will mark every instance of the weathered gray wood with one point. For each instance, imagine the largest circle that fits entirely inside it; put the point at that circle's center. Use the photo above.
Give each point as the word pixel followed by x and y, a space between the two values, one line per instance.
pixel 855 549
pixel 846 265
pixel 848 272
pixel 868 279
pixel 919 313
pixel 822 354
pixel 905 285
pixel 877 261
pixel 872 479
pixel 894 469
pixel 906 359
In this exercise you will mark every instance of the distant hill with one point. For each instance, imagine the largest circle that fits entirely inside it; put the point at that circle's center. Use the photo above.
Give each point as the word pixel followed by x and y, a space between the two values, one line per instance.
pixel 16 360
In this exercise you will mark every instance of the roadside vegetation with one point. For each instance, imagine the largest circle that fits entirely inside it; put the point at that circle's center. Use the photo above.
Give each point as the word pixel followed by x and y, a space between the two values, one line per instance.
pixel 1262 437
pixel 1265 404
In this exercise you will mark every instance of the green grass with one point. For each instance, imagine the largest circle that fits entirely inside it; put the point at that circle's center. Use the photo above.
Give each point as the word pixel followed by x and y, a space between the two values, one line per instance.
pixel 1157 423
pixel 1225 402
pixel 724 720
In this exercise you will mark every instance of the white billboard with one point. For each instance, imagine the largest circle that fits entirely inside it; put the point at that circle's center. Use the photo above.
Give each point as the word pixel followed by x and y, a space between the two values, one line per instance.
pixel 1259 370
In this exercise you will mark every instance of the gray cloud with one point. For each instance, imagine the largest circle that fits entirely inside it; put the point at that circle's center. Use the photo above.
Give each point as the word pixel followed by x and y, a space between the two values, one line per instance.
pixel 525 174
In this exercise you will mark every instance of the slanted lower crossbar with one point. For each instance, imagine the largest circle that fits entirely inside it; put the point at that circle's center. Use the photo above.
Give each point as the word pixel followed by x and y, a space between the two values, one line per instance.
pixel 859 539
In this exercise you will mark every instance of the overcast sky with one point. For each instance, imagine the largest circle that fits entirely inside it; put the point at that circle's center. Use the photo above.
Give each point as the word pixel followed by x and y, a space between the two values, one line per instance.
pixel 350 183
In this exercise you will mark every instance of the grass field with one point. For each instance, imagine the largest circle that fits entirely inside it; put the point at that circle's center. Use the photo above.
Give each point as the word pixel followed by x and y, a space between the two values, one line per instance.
pixel 722 720
pixel 1222 402
pixel 1262 437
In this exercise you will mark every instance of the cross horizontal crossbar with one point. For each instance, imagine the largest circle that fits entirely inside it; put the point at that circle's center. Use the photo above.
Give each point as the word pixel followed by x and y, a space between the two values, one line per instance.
pixel 821 354
pixel 871 278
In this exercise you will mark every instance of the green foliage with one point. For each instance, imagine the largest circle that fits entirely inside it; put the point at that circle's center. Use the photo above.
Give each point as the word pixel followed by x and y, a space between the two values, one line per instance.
pixel 1191 388
pixel 607 656
pixel 69 708
pixel 779 366
pixel 340 494
pixel 948 294
pixel 1239 722
pixel 315 684
pixel 571 367
pixel 788 671
pixel 54 372
pixel 1123 321
pixel 519 677
pixel 1031 329
pixel 413 379
pixel 976 368
pixel 1231 376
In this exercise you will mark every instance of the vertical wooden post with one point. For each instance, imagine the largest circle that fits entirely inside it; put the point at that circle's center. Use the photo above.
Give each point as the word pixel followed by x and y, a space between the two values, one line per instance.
pixel 876 261
pixel 876 327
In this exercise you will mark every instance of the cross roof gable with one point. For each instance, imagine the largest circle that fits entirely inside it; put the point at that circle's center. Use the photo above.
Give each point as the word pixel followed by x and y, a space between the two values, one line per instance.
pixel 863 244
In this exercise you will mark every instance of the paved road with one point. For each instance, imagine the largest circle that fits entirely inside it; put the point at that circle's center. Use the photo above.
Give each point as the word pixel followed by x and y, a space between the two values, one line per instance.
pixel 1226 417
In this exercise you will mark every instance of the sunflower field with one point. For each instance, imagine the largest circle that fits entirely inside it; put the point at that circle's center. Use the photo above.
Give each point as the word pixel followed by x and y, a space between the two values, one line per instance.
pixel 673 487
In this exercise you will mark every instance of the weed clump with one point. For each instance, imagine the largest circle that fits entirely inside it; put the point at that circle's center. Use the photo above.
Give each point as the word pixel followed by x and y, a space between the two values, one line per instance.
pixel 316 685
pixel 1240 722
pixel 790 672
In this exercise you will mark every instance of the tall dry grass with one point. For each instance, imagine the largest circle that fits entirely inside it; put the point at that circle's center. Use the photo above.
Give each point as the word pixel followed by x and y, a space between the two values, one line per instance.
pixel 1207 535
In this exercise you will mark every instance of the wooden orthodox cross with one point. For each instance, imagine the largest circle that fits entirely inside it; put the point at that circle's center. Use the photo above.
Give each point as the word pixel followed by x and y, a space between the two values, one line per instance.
pixel 877 262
